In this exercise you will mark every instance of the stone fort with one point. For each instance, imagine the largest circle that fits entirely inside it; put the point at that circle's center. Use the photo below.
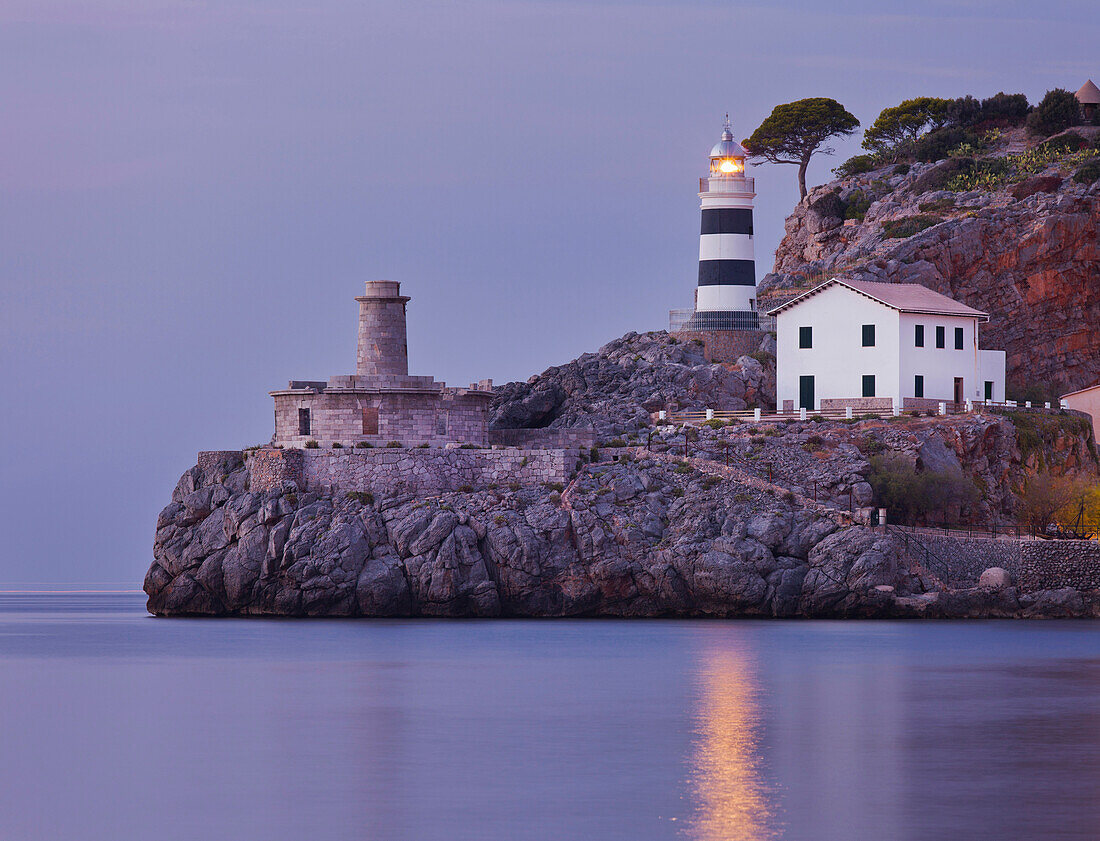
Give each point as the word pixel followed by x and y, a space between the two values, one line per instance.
pixel 381 402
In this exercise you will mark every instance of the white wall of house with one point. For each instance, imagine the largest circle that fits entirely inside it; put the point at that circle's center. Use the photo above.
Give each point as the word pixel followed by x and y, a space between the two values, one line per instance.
pixel 837 360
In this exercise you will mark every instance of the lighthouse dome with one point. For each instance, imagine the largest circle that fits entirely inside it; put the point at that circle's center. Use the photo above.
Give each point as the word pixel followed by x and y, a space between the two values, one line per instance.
pixel 727 147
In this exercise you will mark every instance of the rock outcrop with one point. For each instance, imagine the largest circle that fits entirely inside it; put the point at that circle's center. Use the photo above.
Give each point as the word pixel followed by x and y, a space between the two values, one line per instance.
pixel 1027 253
pixel 647 534
pixel 616 388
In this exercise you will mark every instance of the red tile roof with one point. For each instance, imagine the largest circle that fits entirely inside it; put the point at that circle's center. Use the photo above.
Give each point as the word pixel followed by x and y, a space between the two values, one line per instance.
pixel 904 297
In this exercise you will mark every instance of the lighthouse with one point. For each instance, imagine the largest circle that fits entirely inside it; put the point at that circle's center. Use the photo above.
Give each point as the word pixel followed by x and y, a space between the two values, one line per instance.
pixel 725 298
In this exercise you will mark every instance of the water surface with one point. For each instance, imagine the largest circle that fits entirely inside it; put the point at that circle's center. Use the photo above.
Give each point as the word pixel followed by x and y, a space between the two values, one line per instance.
pixel 116 725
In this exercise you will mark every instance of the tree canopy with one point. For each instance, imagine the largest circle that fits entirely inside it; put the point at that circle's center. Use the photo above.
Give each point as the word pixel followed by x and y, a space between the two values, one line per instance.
pixel 1058 111
pixel 794 131
pixel 904 123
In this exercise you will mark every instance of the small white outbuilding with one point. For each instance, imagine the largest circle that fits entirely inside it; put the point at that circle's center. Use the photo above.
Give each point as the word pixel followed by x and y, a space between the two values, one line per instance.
pixel 875 346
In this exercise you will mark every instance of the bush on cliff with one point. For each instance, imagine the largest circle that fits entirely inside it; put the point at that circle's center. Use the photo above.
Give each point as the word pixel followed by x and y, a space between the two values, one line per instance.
pixel 911 496
pixel 910 225
pixel 1057 111
pixel 1088 172
pixel 857 165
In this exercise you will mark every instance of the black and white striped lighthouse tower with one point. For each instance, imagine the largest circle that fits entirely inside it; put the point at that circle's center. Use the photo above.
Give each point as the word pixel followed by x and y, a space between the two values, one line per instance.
pixel 726 295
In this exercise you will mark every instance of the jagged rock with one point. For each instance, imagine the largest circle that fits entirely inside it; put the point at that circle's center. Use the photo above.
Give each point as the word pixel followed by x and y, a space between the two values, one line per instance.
pixel 1028 254
pixel 616 388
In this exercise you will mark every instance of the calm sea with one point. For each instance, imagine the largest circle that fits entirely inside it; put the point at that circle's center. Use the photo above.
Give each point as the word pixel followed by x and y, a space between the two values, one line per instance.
pixel 115 725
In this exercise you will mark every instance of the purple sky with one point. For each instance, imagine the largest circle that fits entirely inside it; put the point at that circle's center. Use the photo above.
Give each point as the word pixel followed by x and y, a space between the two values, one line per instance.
pixel 193 192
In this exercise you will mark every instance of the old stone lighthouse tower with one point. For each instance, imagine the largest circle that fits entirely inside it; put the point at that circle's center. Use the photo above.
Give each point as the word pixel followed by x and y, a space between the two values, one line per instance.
pixel 725 315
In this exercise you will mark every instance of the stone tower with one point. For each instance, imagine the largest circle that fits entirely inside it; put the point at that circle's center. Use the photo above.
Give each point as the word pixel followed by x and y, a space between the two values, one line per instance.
pixel 383 348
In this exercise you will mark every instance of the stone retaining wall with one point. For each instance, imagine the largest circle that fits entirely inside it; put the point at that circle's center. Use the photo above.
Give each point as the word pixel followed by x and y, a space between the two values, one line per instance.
pixel 393 470
pixel 1034 564
pixel 724 345
pixel 544 438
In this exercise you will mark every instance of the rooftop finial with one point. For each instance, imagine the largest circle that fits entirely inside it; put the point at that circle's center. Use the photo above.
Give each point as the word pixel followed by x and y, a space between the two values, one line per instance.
pixel 727 129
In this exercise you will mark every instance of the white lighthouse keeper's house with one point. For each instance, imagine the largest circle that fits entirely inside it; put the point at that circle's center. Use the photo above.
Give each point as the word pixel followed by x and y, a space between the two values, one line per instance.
pixel 875 346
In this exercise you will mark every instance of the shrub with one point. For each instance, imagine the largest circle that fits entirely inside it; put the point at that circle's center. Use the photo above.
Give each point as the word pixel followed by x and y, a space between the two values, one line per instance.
pixel 462 447
pixel 362 497
pixel 683 467
pixel 912 496
pixel 615 442
pixel 908 226
pixel 856 165
pixel 857 205
pixel 677 492
pixel 594 454
pixel 1088 172
pixel 499 520
pixel 394 444
pixel 763 357
pixel 465 489
pixel 963 112
pixel 1056 112
pixel 936 145
pixel 523 462
pixel 555 486
pixel 938 177
pixel 364 445
pixel 870 446
pixel 714 423
pixel 938 204
pixel 901 169
pixel 1008 109
pixel 336 445
pixel 312 445
pixel 710 480
pixel 423 446
pixel 789 498
pixel 1071 141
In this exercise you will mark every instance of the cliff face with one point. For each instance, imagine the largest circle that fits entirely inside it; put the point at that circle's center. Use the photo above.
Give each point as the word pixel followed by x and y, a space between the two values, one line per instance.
pixel 649 533
pixel 615 389
pixel 1027 253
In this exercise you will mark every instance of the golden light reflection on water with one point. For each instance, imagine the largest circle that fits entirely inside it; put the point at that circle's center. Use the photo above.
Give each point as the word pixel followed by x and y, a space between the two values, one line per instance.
pixel 726 783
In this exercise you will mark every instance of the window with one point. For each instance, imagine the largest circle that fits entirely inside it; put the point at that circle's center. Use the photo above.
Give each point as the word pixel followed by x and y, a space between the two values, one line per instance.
pixel 805 337
pixel 989 390
pixel 868 385
pixel 918 385
pixel 918 335
pixel 868 335
pixel 370 420
pixel 303 421
pixel 441 424
pixel 958 338
pixel 941 337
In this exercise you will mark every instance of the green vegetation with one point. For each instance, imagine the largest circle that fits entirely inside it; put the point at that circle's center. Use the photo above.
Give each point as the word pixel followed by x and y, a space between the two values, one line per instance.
pixel 362 497
pixel 938 204
pixel 462 447
pixel 423 446
pixel 896 128
pixel 615 443
pixel 555 486
pixel 683 468
pixel 1071 141
pixel 1088 172
pixel 795 131
pixel 856 165
pixel 677 492
pixel 336 445
pixel 594 454
pixel 364 445
pixel 710 480
pixel 465 489
pixel 1037 432
pixel 1057 111
pixel 395 444
pixel 312 445
pixel 913 497
pixel 902 169
pixel 857 204
pixel 499 520
pixel 910 225
pixel 714 423
pixel 763 357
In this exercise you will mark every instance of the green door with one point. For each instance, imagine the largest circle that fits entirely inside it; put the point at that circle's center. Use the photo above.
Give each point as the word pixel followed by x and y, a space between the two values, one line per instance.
pixel 806 393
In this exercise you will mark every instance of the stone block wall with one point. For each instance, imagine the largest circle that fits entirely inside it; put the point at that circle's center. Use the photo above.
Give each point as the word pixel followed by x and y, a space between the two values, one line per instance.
pixel 858 404
pixel 1034 564
pixel 584 438
pixel 1051 564
pixel 724 345
pixel 393 470
pixel 410 418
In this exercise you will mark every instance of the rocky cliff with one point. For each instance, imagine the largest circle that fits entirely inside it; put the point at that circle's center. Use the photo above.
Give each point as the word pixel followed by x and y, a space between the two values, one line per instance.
pixel 616 388
pixel 649 533
pixel 1022 246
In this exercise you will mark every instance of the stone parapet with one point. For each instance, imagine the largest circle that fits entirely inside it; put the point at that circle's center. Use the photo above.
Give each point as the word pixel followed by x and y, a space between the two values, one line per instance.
pixel 394 470
pixel 583 438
